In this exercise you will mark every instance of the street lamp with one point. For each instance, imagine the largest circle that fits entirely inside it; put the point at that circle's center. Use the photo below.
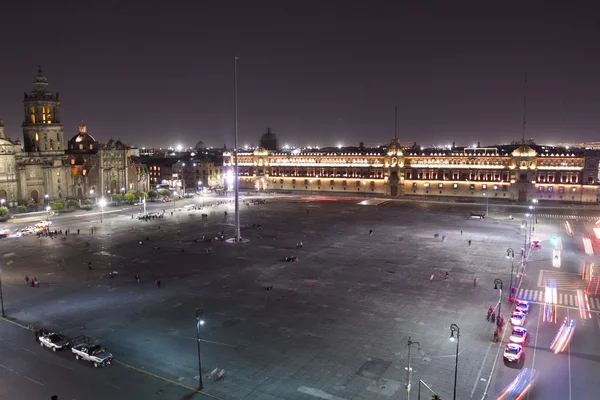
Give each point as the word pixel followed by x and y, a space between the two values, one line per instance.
pixel 199 323
pixel 524 225
pixel 101 203
pixel 454 329
pixel 46 198
pixel 47 213
pixel 409 369
pixel 122 190
pixel 510 253
pixel 2 201
pixel 498 282
pixel 487 205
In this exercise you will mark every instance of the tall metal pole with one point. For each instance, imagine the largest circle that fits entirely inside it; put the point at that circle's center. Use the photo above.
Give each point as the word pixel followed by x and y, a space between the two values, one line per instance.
pixel 235 145
pixel 454 329
pixel 2 299
pixel 409 383
pixel 199 321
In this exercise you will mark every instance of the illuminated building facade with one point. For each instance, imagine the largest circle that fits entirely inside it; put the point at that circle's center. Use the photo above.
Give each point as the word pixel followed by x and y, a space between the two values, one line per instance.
pixel 512 173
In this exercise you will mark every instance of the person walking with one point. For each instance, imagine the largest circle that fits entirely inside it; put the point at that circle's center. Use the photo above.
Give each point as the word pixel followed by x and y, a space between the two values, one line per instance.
pixel 137 279
pixel 370 232
pixel 78 231
pixel 89 266
pixel 469 242
pixel 446 277
pixel 27 280
pixel 475 282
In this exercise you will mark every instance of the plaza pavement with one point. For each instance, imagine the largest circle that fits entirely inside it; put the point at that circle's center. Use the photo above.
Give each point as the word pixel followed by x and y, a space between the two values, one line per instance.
pixel 333 325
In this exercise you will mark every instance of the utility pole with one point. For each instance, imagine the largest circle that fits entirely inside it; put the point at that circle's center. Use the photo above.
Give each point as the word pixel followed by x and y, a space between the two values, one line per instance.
pixel 409 369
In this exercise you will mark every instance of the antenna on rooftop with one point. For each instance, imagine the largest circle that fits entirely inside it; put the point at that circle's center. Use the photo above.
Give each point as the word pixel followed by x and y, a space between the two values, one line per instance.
pixel 396 122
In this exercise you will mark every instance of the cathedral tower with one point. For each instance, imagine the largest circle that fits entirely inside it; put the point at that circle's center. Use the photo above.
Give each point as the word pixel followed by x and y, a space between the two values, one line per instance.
pixel 42 127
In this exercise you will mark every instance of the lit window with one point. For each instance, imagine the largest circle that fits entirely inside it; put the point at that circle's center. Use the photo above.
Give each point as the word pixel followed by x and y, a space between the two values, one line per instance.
pixel 483 187
pixel 495 187
pixel 37 137
pixel 80 146
pixel 72 161
pixel 455 185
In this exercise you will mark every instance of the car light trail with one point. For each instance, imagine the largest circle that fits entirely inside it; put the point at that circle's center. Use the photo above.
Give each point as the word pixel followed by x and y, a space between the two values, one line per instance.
pixel 587 245
pixel 569 228
pixel 550 300
pixel 583 304
pixel 563 337
pixel 597 233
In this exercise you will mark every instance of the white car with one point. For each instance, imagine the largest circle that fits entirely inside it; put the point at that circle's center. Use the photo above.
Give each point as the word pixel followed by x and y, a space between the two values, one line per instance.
pixel 513 352
pixel 51 340
pixel 522 305
pixel 518 335
pixel 518 318
pixel 44 223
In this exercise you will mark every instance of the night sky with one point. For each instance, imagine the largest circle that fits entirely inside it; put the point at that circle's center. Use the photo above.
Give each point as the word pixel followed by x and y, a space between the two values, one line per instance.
pixel 317 72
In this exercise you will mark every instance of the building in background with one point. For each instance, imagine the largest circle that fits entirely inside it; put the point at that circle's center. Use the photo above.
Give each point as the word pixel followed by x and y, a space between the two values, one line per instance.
pixel 43 170
pixel 512 172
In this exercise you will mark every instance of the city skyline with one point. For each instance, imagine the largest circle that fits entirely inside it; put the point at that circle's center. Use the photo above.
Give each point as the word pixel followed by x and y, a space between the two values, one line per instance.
pixel 316 74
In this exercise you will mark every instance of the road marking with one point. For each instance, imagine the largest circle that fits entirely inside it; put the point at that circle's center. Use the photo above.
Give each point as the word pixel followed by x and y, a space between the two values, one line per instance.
pixel 318 393
pixel 167 380
pixel 29 351
pixel 481 369
pixel 210 341
pixel 24 376
pixel 124 365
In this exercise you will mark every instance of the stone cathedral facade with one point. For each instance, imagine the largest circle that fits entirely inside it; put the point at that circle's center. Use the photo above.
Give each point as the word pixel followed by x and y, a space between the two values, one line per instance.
pixel 40 167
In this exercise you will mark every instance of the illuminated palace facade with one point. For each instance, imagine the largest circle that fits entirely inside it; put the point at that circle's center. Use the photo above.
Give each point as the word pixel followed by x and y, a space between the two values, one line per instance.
pixel 512 173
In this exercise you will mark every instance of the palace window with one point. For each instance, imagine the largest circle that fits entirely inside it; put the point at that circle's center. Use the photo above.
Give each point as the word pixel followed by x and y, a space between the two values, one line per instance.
pixel 561 189
pixel 455 186
pixel 483 187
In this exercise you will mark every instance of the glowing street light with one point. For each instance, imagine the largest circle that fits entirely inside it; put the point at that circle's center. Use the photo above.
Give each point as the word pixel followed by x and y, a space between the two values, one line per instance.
pixel 47 213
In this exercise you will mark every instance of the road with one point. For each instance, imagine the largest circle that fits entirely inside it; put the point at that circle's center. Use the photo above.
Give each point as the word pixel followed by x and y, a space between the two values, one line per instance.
pixel 571 374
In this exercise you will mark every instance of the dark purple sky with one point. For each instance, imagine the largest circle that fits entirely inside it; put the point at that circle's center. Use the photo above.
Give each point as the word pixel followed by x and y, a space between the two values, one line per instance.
pixel 323 72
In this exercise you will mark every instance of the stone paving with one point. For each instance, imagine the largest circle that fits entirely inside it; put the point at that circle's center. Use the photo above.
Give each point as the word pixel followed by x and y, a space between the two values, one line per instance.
pixel 333 325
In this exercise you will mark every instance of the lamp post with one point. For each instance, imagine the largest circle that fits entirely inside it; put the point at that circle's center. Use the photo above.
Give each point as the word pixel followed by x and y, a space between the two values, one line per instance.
pixel 497 282
pixel 409 369
pixel 2 297
pixel 199 323
pixel 524 225
pixel 47 213
pixel 46 198
pixel 101 203
pixel 510 253
pixel 487 205
pixel 122 191
pixel 455 330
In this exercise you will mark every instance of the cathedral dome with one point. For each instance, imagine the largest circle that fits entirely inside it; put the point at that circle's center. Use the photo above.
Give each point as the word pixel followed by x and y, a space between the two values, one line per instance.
pixel 83 140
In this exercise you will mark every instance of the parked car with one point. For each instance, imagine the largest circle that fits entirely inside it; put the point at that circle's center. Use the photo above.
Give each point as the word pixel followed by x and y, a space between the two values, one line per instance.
pixel 86 349
pixel 52 340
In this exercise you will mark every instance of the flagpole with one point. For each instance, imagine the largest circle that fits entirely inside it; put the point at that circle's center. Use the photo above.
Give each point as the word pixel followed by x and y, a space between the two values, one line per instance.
pixel 238 237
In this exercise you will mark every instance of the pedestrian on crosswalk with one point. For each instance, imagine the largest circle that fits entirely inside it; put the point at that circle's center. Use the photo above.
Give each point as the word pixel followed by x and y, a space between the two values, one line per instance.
pixel 446 277
pixel 475 281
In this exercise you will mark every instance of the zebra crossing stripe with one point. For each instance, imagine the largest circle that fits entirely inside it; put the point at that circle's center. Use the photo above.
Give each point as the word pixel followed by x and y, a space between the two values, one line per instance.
pixel 597 301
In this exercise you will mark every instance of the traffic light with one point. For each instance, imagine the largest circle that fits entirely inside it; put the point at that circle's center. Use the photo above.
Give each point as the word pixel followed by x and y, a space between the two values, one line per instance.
pixel 556 257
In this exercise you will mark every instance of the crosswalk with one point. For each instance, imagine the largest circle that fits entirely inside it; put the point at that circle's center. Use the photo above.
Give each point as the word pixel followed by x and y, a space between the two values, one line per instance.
pixel 564 299
pixel 564 281
pixel 569 217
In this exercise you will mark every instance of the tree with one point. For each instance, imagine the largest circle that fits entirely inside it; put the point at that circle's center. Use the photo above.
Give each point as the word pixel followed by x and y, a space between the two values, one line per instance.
pixel 116 197
pixel 72 203
pixel 129 198
pixel 141 194
pixel 3 211
pixel 57 206
pixel 21 208
pixel 153 194
pixel 165 192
